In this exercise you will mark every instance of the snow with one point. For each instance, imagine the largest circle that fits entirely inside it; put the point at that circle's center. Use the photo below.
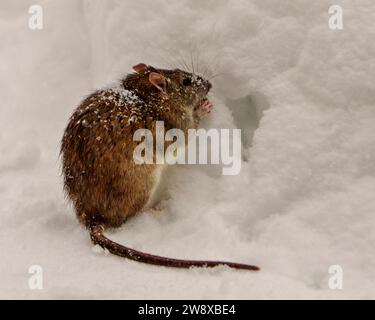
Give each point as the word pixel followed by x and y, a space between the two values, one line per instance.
pixel 303 202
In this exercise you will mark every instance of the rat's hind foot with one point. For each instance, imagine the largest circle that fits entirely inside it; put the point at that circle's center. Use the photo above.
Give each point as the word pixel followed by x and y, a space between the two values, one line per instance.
pixel 157 207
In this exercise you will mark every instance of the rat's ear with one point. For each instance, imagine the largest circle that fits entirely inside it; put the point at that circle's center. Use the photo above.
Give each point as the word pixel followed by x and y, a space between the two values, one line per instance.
pixel 159 81
pixel 140 68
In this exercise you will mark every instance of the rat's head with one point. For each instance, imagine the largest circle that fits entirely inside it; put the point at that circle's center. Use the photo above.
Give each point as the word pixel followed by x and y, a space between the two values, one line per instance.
pixel 187 89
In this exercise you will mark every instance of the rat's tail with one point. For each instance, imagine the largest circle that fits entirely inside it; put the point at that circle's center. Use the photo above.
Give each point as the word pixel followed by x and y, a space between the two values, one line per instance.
pixel 97 237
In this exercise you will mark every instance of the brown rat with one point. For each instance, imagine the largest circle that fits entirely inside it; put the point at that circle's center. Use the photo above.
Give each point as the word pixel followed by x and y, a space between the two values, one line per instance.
pixel 101 177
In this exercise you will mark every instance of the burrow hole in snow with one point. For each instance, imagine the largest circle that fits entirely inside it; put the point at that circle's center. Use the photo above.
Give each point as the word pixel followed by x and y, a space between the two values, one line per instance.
pixel 247 112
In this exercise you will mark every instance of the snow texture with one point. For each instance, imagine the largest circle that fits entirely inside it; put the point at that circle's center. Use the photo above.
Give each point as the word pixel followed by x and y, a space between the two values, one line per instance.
pixel 305 199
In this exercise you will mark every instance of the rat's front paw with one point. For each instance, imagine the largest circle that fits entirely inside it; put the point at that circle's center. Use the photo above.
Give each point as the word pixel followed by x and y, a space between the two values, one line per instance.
pixel 205 108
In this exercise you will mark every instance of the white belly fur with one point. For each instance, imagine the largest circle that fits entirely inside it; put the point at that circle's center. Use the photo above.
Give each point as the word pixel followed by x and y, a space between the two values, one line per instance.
pixel 157 189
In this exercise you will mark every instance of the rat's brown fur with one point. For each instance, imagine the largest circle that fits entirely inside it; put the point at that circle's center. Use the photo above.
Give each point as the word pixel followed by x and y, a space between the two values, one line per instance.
pixel 101 178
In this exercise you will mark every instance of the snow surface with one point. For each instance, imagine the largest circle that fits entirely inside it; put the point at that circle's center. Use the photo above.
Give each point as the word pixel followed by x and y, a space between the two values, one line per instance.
pixel 304 201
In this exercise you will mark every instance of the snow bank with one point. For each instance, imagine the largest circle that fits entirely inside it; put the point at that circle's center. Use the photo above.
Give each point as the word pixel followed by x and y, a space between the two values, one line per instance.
pixel 304 200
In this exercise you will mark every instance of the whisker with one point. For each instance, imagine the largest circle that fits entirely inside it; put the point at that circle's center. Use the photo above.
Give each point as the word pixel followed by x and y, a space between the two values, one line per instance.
pixel 191 61
pixel 184 64
pixel 216 75
pixel 171 56
pixel 197 59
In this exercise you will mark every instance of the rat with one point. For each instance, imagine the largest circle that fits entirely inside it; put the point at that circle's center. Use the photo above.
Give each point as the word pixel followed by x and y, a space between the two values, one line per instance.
pixel 101 178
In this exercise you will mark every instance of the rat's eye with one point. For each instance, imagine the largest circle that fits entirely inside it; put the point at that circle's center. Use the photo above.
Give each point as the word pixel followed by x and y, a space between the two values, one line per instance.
pixel 186 82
